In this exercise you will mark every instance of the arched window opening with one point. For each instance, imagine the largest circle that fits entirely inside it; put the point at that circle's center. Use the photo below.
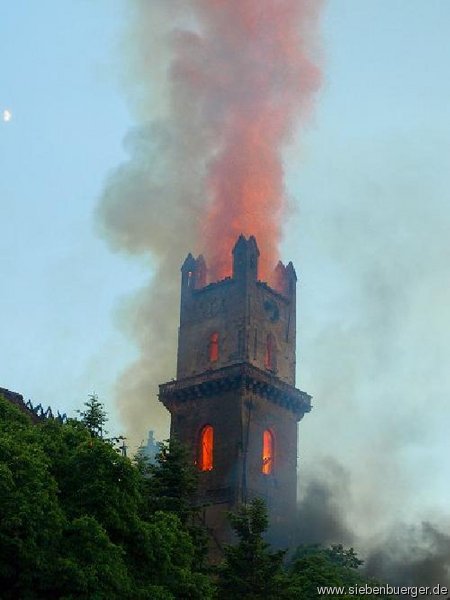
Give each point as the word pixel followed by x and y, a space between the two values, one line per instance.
pixel 206 448
pixel 190 279
pixel 270 355
pixel 267 454
pixel 214 347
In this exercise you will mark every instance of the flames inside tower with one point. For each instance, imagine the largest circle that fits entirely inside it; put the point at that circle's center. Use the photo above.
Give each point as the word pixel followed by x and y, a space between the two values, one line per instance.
pixel 234 403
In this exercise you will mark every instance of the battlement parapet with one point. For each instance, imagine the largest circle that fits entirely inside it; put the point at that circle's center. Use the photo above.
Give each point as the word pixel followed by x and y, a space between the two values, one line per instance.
pixel 37 413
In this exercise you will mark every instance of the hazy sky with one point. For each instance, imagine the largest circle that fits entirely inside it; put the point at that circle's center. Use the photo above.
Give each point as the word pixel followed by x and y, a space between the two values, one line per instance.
pixel 370 238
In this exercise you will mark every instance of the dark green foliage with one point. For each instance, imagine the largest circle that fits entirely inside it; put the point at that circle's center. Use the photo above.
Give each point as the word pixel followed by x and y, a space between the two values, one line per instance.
pixel 93 478
pixel 30 513
pixel 94 416
pixel 314 566
pixel 173 481
pixel 250 570
pixel 80 521
pixel 170 484
pixel 253 572
pixel 89 564
pixel 170 555
pixel 336 555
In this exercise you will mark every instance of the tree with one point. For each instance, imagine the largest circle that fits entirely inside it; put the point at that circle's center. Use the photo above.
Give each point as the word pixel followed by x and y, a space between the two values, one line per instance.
pixel 75 522
pixel 81 522
pixel 131 503
pixel 250 570
pixel 170 484
pixel 168 554
pixel 88 564
pixel 172 481
pixel 314 566
pixel 94 417
pixel 31 518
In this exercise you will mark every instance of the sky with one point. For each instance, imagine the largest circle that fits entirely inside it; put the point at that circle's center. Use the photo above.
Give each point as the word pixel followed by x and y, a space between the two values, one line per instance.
pixel 59 282
pixel 368 183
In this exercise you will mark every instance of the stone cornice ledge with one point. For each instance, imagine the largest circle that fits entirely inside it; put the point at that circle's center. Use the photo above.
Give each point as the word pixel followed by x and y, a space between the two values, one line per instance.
pixel 238 376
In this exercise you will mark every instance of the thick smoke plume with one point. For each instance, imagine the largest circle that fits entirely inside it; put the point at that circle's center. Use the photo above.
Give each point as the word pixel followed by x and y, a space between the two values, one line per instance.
pixel 219 87
pixel 404 555
pixel 254 77
pixel 321 513
pixel 417 555
pixel 374 320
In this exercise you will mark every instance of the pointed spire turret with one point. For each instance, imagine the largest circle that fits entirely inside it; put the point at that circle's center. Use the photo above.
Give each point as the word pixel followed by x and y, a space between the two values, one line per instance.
pixel 193 272
pixel 245 259
pixel 291 279
pixel 201 272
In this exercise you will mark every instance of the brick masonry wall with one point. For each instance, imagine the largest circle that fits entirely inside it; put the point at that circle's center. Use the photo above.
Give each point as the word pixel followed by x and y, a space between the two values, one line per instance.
pixel 244 312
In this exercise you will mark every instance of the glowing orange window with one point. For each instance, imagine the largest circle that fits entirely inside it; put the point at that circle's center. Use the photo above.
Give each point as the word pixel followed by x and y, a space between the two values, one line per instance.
pixel 214 347
pixel 205 462
pixel 267 455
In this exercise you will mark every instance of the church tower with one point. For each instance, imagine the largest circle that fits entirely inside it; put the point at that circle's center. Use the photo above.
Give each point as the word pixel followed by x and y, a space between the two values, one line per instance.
pixel 234 404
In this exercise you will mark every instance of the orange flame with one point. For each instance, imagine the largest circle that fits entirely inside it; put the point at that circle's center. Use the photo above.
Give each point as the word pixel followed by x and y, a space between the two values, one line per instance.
pixel 267 457
pixel 214 347
pixel 206 448
pixel 251 73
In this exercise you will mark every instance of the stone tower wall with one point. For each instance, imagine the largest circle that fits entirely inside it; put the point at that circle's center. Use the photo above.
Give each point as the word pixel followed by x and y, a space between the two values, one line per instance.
pixel 240 393
pixel 243 312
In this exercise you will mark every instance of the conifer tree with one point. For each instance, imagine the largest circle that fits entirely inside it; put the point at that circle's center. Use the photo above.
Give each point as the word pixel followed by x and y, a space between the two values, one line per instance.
pixel 251 571
pixel 94 416
pixel 173 480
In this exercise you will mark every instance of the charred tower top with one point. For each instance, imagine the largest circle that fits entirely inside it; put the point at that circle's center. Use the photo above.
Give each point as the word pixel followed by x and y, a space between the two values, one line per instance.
pixel 234 403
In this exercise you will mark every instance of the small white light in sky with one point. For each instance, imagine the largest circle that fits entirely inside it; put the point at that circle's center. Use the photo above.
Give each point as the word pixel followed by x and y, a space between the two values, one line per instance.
pixel 7 115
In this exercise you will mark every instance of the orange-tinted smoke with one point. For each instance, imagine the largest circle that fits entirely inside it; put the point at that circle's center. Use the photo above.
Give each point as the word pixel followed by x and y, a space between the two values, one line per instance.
pixel 250 67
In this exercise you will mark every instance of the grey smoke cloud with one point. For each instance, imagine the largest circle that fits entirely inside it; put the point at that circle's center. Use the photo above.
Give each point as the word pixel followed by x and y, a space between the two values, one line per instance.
pixel 150 206
pixel 405 554
pixel 144 209
pixel 321 515
pixel 374 316
pixel 418 555
pixel 201 92
pixel 374 312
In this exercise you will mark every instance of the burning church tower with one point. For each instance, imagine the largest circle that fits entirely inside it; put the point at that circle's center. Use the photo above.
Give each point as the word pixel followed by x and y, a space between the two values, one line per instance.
pixel 234 404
